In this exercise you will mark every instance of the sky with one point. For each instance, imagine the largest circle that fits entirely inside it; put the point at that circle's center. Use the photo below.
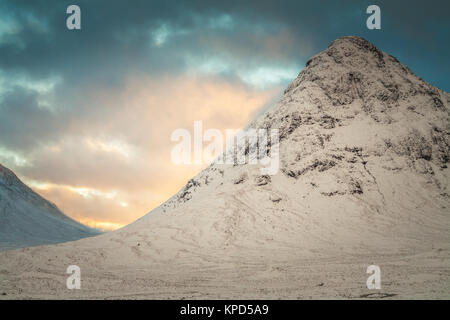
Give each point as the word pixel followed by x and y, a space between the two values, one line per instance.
pixel 86 115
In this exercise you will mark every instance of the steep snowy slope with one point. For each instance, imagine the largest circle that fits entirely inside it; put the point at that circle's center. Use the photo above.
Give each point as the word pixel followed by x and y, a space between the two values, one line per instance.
pixel 363 179
pixel 26 219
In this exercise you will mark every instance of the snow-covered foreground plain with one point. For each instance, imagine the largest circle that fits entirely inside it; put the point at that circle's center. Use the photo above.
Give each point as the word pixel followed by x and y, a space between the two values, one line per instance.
pixel 363 180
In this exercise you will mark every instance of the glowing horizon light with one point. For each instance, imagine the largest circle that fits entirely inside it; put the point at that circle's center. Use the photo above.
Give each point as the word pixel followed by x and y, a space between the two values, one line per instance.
pixel 85 192
pixel 101 225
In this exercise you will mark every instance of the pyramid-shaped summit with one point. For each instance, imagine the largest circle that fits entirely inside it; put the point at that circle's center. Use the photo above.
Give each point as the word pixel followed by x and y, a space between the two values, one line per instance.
pixel 363 179
pixel 352 108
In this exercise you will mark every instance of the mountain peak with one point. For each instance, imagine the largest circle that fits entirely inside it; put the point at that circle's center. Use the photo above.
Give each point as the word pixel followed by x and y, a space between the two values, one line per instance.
pixel 6 175
pixel 348 48
pixel 353 87
pixel 356 41
pixel 353 68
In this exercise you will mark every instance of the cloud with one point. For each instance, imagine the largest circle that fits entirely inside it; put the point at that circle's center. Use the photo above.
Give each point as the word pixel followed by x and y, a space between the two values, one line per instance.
pixel 24 121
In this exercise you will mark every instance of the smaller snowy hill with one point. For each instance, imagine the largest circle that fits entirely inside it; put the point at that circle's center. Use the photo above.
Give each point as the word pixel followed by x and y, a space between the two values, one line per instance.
pixel 27 219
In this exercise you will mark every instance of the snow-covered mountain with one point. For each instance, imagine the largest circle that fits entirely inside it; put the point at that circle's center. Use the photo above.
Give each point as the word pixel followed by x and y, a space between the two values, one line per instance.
pixel 27 219
pixel 364 150
pixel 363 179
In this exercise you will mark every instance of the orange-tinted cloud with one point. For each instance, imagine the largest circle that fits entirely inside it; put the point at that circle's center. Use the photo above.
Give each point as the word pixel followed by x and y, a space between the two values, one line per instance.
pixel 114 172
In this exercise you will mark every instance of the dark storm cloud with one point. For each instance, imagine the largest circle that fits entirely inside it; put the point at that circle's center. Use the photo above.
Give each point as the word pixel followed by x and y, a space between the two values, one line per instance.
pixel 22 122
pixel 116 36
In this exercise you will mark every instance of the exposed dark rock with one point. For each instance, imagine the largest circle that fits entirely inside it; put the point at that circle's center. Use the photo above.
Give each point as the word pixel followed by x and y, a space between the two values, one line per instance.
pixel 263 180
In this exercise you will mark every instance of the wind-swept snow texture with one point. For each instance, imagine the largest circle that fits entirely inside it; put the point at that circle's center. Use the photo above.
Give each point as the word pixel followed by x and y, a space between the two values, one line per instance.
pixel 363 179
pixel 26 219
